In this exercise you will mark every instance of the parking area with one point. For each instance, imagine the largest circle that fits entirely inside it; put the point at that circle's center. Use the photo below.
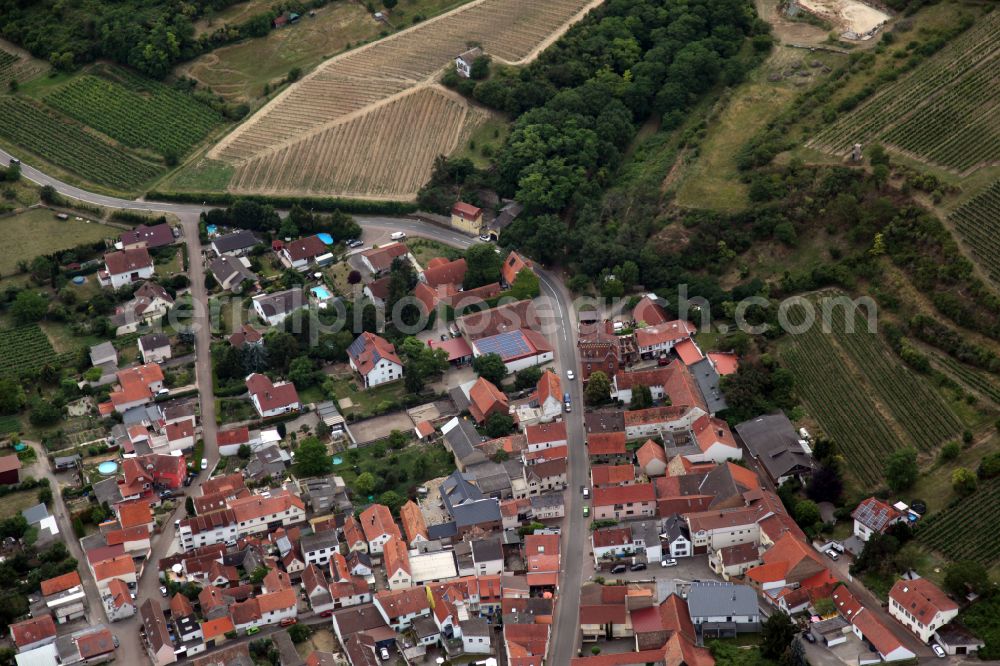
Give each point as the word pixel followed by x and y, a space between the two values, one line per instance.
pixel 688 569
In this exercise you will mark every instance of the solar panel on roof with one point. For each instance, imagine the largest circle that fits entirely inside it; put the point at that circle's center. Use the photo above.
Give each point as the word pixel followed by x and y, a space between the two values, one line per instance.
pixel 511 344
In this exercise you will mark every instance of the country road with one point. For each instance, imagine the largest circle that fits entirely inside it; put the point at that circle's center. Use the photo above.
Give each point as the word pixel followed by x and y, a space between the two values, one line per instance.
pixel 559 325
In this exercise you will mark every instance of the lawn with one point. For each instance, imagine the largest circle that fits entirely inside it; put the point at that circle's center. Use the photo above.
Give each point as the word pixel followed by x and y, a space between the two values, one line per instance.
pixel 424 249
pixel 232 410
pixel 240 71
pixel 365 401
pixel 37 231
pixel 401 471
pixel 200 175
pixel 15 503
pixel 486 139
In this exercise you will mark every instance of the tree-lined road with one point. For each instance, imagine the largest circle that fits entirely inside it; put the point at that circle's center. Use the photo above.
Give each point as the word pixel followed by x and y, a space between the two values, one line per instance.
pixel 559 319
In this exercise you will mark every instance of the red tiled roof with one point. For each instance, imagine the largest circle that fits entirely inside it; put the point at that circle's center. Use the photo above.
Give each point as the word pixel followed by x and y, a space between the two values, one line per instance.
pixel 60 583
pixel 180 605
pixel 649 452
pixel 606 537
pixel 875 514
pixel 688 352
pixel 381 257
pixel 512 265
pixel 612 475
pixel 217 627
pixel 119 592
pixel 606 443
pixel 228 484
pixel 95 643
pixel 135 383
pixel 538 544
pixel 132 514
pixel 137 533
pixel 549 386
pixel 279 600
pixel 121 565
pixel 603 614
pixel 709 431
pixel 237 435
pixel 352 532
pixel 380 288
pixel 665 332
pixel 398 603
pixel 425 429
pixel 33 630
pixel 246 335
pixel 153 236
pixel 922 599
pixel 413 521
pixel 373 348
pixel 447 272
pixel 485 399
pixel 255 506
pixel 245 612
pixel 542 433
pixel 305 248
pixel 126 261
pixel 457 348
pixel 649 312
pixel 876 633
pixel 270 395
pixel 180 430
pixel 395 556
pixel 466 211
pixel 640 492
pixel 725 363
pixel 846 603
pixel 377 520
pixel 621 659
pixel 10 463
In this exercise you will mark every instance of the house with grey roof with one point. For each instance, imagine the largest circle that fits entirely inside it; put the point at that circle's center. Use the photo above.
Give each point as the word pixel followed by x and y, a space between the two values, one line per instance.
pixel 154 347
pixel 235 244
pixel 274 308
pixel 492 479
pixel 547 506
pixel 442 531
pixel 675 537
pixel 319 548
pixel 462 439
pixel 481 514
pixel 774 442
pixel 458 489
pixel 708 380
pixel 487 557
pixel 232 274
pixel 720 610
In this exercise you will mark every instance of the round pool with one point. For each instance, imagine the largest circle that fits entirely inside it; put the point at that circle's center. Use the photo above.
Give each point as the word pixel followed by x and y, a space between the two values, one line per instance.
pixel 79 279
pixel 326 238
pixel 337 460
pixel 108 467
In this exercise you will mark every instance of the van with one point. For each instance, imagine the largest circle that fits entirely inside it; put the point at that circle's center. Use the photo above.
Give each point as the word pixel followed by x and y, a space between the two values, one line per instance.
pixel 397 235
pixel 566 403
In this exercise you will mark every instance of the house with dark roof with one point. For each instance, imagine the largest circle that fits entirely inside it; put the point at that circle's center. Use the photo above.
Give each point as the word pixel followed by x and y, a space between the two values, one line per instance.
pixel 149 237
pixel 155 635
pixel 508 213
pixel 270 399
pixel 722 610
pixel 148 302
pixel 235 244
pixel 302 253
pixel 374 358
pixel 774 442
pixel 154 347
pixel 462 439
pixel 124 267
pixel 274 308
pixel 232 273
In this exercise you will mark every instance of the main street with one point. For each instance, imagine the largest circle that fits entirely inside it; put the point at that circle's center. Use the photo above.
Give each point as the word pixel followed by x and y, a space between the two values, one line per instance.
pixel 560 327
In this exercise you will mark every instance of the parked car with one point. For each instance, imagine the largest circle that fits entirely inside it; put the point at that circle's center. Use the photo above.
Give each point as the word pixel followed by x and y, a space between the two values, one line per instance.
pixel 586 511
pixel 384 654
pixel 354 242
pixel 163 591
pixel 807 635
pixel 397 235
pixel 484 237
pixel 204 463
pixel 638 566
pixel 443 337
pixel 939 651
pixel 618 569
pixel 288 621
pixel 837 546
pixel 252 630
pixel 586 493
pixel 668 562
pixel 567 403
pixel 832 554
pixel 663 360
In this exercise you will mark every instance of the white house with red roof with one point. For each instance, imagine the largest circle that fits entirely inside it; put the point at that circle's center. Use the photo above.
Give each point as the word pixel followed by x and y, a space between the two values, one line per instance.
pixel 375 359
pixel 548 393
pixel 441 272
pixel 921 607
pixel 715 441
pixel 519 348
pixel 873 516
pixel 867 626
pixel 231 439
pixel 136 386
pixel 270 399
pixel 661 338
pixel 541 436
pixel 379 259
pixel 180 435
pixel 378 527
pixel 124 267
pixel 623 502
pixel 302 253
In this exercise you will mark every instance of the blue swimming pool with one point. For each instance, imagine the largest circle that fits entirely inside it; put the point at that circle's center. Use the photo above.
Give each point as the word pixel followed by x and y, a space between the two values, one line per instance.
pixel 321 293
pixel 337 460
pixel 211 229
pixel 108 467
pixel 326 238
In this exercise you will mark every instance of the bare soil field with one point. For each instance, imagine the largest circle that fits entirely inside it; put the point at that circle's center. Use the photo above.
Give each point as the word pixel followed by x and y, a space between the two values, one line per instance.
pixel 847 15
pixel 303 126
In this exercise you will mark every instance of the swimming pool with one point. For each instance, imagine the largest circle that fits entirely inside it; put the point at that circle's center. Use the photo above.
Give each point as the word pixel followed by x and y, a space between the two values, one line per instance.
pixel 108 467
pixel 326 238
pixel 337 460
pixel 211 229
pixel 321 293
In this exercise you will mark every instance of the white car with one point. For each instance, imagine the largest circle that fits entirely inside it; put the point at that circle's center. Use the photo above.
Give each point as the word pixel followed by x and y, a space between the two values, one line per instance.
pixel 384 653
pixel 938 650
pixel 570 375
pixel 398 235
pixel 204 463
pixel 832 554
pixel 669 562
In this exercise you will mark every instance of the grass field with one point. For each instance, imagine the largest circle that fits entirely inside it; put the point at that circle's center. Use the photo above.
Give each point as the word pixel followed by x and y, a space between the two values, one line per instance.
pixel 863 396
pixel 134 111
pixel 388 152
pixel 15 503
pixel 967 529
pixel 239 72
pixel 397 470
pixel 9 424
pixel 295 143
pixel 202 175
pixel 58 140
pixel 23 349
pixel 37 231
pixel 946 112
pixel 365 401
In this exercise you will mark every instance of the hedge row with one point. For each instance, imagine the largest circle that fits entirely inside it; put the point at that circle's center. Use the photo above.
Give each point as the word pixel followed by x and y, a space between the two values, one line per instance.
pixel 321 204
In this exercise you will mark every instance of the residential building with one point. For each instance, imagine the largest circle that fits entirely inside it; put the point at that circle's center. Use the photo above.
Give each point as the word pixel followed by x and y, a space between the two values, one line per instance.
pixel 274 308
pixel 520 348
pixel 414 525
pixel 956 640
pixel 463 65
pixel 246 335
pixel 149 237
pixel 378 527
pixel 233 273
pixel 651 459
pixel 713 530
pixel 722 610
pixel 270 399
pixel 396 560
pixel 136 386
pixel 466 217
pixel 378 260
pixel 622 502
pixel 319 547
pixel 124 267
pixel 118 601
pixel 661 338
pixel 259 513
pixel 873 516
pixel 374 358
pixel 921 607
pixel 235 244
pixel 155 634
pixel 33 633
pixel 65 597
pixel 485 400
pixel 774 442
pixel 10 469
pixel 154 347
pixel 649 311
pixel 541 436
pixel 149 301
pixel 549 395
pixel 512 266
pixel 302 253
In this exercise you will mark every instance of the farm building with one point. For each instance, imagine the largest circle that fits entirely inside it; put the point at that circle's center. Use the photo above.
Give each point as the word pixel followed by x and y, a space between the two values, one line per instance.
pixel 10 469
pixel 463 63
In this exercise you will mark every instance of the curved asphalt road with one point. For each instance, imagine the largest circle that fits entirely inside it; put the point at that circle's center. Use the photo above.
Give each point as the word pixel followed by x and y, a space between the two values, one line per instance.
pixel 559 319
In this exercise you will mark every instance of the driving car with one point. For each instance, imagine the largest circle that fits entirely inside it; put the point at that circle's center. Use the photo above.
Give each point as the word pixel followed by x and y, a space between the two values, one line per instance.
pixel 586 511
pixel 638 566
pixel 939 651
pixel 397 235
pixel 204 463
pixel 114 639
pixel 570 376
pixel 586 493
pixel 668 562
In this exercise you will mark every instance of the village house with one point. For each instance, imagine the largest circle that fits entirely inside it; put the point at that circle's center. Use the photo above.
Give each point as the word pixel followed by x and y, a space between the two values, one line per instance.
pixel 463 64
pixel 274 308
pixel 485 400
pixel 651 459
pixel 873 516
pixel 378 527
pixel 624 502
pixel 154 347
pixel 124 267
pixel 270 399
pixel 722 610
pixel 921 607
pixel 232 273
pixel 10 469
pixel 246 335
pixel 661 338
pixel 234 244
pixel 378 260
pixel 149 301
pixel 518 348
pixel 155 635
pixel 466 217
pixel 302 253
pixel 64 597
pixel 374 358
pixel 773 441
pixel 35 632
pixel 136 386
pixel 149 237
pixel 396 561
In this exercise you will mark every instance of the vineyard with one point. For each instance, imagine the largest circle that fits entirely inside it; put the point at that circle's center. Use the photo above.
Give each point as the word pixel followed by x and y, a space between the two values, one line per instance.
pixel 17 68
pixel 24 349
pixel 946 112
pixel 387 152
pixel 968 528
pixel 978 222
pixel 348 85
pixel 862 396
pixel 136 112
pixel 68 145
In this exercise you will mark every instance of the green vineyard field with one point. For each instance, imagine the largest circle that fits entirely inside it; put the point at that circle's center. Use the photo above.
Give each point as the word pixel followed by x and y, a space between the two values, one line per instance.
pixel 69 146
pixel 946 111
pixel 871 405
pixel 974 379
pixel 978 222
pixel 136 112
pixel 7 62
pixel 967 529
pixel 24 349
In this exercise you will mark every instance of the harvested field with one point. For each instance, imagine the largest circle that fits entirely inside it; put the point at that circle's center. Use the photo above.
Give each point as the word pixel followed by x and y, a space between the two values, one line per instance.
pixel 388 151
pixel 347 87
